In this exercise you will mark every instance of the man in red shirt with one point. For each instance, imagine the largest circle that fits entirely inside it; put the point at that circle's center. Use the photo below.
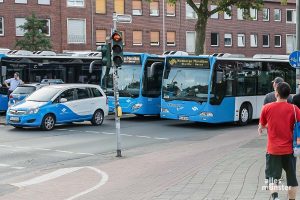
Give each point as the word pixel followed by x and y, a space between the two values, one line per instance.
pixel 279 118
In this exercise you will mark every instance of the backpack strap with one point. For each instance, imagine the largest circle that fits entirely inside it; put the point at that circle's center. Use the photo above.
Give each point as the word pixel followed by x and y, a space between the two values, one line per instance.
pixel 295 114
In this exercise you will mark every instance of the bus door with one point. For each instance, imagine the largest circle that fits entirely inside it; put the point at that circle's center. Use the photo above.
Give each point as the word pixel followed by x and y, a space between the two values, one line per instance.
pixel 3 91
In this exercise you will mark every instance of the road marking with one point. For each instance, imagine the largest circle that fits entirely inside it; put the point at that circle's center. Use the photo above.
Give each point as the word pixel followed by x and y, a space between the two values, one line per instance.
pixel 157 138
pixel 142 136
pixel 9 166
pixel 91 131
pixel 107 133
pixel 62 172
pixel 126 135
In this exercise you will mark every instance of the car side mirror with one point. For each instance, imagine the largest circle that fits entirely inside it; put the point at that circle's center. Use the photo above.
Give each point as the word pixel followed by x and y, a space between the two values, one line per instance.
pixel 63 100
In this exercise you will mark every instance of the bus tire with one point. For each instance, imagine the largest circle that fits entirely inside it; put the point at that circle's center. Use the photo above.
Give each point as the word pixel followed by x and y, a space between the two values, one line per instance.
pixel 98 118
pixel 48 122
pixel 245 114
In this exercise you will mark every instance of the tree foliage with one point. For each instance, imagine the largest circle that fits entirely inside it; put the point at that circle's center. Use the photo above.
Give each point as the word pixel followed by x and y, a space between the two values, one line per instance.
pixel 34 39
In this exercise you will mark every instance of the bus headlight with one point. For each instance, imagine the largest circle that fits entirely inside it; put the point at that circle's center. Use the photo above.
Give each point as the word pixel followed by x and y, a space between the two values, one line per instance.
pixel 206 114
pixel 137 106
pixel 164 110
pixel 33 111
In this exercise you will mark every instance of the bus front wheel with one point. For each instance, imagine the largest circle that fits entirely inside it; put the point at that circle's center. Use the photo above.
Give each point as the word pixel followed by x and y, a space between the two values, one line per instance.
pixel 245 114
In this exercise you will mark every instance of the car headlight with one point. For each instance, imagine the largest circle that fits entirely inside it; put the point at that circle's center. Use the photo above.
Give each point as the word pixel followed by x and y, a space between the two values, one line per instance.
pixel 206 114
pixel 137 106
pixel 164 110
pixel 33 111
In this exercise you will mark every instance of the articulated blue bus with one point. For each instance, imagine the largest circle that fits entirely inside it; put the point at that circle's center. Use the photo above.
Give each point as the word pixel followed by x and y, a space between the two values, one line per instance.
pixel 220 89
pixel 139 84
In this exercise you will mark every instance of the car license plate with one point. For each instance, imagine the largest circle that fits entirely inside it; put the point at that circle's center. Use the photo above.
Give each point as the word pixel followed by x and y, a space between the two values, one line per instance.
pixel 14 119
pixel 183 118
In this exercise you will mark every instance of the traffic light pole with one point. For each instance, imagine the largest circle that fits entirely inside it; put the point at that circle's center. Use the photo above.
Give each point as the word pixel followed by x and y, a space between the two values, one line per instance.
pixel 116 94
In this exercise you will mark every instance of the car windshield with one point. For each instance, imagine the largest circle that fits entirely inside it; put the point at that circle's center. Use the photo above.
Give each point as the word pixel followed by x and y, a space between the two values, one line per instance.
pixel 44 94
pixel 24 90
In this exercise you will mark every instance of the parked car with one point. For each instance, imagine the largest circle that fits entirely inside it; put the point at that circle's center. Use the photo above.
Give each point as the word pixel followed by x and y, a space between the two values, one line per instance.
pixel 22 91
pixel 52 81
pixel 58 104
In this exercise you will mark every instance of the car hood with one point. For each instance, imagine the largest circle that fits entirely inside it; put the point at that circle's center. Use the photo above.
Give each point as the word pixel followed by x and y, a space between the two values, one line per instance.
pixel 26 105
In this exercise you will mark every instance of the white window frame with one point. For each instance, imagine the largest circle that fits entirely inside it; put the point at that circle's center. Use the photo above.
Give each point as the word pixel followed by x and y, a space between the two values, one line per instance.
pixel 44 2
pixel 294 43
pixel 49 25
pixel 228 16
pixel 2 19
pixel 188 43
pixel 280 45
pixel 253 14
pixel 75 3
pixel 19 31
pixel 138 12
pixel 21 1
pixel 268 14
pixel 1 1
pixel 156 13
pixel 228 34
pixel 155 43
pixel 255 37
pixel 266 46
pixel 189 9
pixel 277 20
pixel 218 38
pixel 216 15
pixel 78 19
pixel 137 44
pixel 293 16
pixel 240 14
pixel 243 37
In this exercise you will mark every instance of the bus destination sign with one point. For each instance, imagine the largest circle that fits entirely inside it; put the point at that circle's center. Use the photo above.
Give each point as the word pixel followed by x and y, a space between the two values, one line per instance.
pixel 189 62
pixel 132 60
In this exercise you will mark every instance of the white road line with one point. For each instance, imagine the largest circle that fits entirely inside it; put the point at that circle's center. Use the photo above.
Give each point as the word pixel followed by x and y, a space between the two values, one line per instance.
pixel 91 131
pixel 107 133
pixel 61 129
pixel 89 154
pixel 126 135
pixel 4 165
pixel 157 138
pixel 9 166
pixel 47 177
pixel 18 167
pixel 61 151
pixel 142 136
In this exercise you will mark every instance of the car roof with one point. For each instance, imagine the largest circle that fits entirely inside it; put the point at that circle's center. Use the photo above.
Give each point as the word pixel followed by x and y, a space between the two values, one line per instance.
pixel 64 86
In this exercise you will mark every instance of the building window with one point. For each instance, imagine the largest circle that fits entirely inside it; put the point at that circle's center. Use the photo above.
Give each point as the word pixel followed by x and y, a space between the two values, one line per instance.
pixel 266 14
pixel 253 40
pixel 137 38
pixel 253 14
pixel 101 6
pixel 240 14
pixel 290 43
pixel 75 3
pixel 100 37
pixel 46 26
pixel 154 8
pixel 119 7
pixel 154 38
pixel 227 39
pixel 21 1
pixel 291 16
pixel 76 31
pixel 137 7
pixel 171 38
pixel 214 39
pixel 44 2
pixel 171 9
pixel 277 40
pixel 189 11
pixel 277 15
pixel 266 40
pixel 123 37
pixel 226 16
pixel 20 22
pixel 1 26
pixel 1 1
pixel 190 41
pixel 241 40
pixel 215 15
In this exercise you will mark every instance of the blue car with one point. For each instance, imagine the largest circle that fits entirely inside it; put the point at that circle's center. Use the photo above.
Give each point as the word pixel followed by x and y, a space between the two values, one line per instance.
pixel 58 104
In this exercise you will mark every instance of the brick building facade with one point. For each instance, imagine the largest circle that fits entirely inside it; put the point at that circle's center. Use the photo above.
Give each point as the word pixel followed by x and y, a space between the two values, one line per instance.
pixel 83 24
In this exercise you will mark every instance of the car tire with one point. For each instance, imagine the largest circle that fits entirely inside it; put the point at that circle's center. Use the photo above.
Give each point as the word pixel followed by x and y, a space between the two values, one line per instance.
pixel 244 115
pixel 98 118
pixel 48 122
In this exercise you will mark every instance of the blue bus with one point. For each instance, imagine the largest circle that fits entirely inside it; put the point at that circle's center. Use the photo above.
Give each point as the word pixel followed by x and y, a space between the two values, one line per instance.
pixel 220 89
pixel 139 84
pixel 34 67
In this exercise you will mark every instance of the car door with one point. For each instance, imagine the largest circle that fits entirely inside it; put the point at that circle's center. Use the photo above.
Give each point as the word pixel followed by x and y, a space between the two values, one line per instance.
pixel 66 111
pixel 84 102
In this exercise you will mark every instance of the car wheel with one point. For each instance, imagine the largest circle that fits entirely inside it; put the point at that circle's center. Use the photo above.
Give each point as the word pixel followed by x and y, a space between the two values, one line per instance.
pixel 244 115
pixel 98 118
pixel 48 122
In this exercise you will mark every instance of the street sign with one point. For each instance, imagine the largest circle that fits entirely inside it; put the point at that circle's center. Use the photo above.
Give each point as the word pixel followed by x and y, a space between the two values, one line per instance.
pixel 124 18
pixel 294 59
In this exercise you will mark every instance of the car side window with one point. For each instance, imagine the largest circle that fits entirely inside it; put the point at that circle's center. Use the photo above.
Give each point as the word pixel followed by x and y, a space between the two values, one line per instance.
pixel 68 94
pixel 82 93
pixel 96 92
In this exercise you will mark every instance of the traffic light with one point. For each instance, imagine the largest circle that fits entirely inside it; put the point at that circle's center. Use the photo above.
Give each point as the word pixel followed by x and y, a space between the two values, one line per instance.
pixel 106 54
pixel 117 48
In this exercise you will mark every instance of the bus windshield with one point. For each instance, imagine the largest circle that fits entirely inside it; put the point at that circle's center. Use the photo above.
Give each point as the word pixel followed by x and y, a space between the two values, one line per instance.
pixel 129 81
pixel 186 83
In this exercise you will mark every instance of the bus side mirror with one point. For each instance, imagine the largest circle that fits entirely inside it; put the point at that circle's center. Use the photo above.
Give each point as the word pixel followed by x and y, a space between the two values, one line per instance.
pixel 154 67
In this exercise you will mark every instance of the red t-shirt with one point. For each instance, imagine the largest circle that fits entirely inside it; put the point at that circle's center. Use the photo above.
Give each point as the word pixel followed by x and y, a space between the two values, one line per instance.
pixel 280 119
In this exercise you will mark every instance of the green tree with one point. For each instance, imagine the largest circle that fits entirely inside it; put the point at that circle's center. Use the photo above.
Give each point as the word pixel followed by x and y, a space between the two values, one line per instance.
pixel 34 39
pixel 203 12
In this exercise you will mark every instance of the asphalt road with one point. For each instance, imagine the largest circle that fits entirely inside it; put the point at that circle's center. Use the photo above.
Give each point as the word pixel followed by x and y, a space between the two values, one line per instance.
pixel 27 151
